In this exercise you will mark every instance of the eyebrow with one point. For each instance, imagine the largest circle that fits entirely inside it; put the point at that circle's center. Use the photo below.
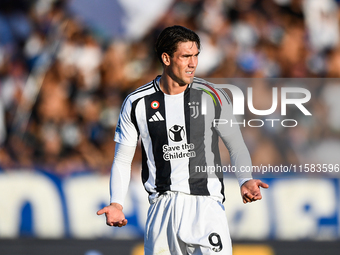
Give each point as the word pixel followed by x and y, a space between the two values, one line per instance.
pixel 189 55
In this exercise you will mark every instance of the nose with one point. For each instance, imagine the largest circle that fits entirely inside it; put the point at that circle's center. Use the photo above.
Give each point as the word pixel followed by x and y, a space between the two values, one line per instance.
pixel 193 61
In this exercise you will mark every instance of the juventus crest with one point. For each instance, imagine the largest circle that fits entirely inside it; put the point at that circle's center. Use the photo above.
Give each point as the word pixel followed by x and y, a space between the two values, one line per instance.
pixel 194 109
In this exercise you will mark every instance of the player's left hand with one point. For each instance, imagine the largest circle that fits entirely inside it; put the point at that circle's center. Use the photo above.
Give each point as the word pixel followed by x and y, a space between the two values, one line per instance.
pixel 250 190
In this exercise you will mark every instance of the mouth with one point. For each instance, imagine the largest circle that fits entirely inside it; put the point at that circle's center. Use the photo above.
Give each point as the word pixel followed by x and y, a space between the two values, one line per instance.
pixel 189 72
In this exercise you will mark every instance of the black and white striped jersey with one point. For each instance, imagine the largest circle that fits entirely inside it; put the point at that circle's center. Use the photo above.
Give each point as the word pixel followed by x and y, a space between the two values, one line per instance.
pixel 178 136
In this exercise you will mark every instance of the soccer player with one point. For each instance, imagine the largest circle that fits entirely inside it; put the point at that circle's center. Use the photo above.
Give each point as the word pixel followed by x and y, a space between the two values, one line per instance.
pixel 174 117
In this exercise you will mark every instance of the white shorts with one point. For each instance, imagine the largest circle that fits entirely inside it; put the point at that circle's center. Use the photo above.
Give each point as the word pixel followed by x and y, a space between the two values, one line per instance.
pixel 181 224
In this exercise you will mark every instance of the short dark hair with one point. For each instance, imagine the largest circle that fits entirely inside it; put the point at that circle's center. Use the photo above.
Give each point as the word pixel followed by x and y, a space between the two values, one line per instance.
pixel 169 38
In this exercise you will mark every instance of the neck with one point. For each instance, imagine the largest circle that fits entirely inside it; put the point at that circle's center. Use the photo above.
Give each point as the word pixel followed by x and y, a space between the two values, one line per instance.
pixel 169 86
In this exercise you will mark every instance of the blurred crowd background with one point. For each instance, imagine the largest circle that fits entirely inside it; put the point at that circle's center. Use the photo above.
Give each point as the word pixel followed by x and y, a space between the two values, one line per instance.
pixel 63 79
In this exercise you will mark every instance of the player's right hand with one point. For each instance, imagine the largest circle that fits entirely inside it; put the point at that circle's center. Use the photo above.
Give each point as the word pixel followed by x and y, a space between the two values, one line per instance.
pixel 114 215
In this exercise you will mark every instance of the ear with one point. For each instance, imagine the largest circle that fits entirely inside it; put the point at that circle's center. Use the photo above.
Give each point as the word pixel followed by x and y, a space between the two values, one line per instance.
pixel 165 58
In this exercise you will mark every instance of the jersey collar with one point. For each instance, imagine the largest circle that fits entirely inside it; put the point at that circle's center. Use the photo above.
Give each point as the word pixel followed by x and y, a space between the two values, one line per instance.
pixel 157 87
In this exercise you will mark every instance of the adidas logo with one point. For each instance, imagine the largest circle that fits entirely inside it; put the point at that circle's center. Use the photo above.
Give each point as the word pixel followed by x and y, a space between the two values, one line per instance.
pixel 156 117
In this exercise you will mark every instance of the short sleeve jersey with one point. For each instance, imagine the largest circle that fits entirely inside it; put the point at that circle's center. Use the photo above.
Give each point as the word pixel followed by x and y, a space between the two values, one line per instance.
pixel 178 137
